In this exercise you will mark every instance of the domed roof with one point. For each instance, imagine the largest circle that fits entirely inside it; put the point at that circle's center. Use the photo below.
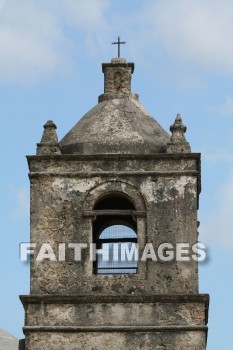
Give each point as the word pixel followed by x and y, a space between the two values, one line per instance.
pixel 118 124
pixel 8 341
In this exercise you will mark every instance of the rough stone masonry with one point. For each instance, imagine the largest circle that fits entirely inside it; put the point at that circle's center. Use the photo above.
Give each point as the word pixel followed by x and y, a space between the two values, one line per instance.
pixel 117 150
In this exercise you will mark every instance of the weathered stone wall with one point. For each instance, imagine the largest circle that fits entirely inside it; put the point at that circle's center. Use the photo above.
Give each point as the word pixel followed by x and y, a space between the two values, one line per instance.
pixel 97 322
pixel 124 312
pixel 117 77
pixel 167 185
pixel 146 340
pixel 72 308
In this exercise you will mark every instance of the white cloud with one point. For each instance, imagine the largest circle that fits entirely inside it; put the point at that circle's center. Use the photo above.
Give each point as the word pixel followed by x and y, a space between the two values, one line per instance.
pixel 21 200
pixel 33 38
pixel 38 37
pixel 217 230
pixel 197 31
pixel 30 40
pixel 90 17
pixel 227 108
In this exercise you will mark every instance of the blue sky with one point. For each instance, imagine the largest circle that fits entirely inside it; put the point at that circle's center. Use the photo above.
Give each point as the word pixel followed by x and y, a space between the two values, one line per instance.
pixel 50 68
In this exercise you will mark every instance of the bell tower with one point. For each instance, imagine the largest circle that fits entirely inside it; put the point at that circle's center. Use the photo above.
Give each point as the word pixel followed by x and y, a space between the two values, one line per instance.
pixel 116 182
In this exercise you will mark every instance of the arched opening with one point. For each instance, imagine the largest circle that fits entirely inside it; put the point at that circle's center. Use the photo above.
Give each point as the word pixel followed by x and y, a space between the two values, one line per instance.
pixel 115 235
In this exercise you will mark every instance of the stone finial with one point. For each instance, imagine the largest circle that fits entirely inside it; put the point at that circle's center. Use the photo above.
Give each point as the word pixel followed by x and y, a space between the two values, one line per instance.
pixel 49 141
pixel 178 143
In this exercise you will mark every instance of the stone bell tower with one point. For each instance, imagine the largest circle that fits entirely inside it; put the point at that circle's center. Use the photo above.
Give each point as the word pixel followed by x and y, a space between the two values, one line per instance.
pixel 116 178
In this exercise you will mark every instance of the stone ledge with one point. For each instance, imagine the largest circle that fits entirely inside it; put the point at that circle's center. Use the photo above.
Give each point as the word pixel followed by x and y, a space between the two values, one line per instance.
pixel 128 298
pixel 94 213
pixel 118 63
pixel 115 173
pixel 115 156
pixel 114 329
pixel 116 95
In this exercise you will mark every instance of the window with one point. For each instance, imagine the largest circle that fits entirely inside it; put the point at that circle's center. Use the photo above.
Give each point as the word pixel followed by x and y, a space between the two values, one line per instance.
pixel 115 235
pixel 119 251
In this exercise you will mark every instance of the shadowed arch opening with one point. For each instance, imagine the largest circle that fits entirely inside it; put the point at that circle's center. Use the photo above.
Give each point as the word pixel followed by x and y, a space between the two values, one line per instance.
pixel 115 200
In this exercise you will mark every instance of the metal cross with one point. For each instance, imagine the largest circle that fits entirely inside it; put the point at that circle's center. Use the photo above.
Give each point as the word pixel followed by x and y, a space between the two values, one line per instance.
pixel 119 43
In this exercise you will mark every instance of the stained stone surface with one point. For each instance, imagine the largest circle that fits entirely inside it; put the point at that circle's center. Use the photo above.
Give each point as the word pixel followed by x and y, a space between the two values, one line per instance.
pixel 63 192
pixel 110 311
pixel 116 341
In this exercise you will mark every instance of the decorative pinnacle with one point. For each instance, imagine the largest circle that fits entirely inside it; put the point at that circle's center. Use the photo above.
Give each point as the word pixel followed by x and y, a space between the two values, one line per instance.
pixel 119 43
pixel 49 141
pixel 178 143
pixel 178 125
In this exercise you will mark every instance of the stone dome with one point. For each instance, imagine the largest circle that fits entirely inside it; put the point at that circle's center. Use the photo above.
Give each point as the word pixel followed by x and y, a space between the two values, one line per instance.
pixel 118 123
pixel 8 341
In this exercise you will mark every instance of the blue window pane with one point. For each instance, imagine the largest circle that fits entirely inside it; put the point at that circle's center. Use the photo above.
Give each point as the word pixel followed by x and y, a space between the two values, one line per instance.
pixel 117 257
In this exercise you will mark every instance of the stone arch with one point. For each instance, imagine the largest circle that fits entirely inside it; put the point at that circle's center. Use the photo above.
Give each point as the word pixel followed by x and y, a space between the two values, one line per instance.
pixel 110 187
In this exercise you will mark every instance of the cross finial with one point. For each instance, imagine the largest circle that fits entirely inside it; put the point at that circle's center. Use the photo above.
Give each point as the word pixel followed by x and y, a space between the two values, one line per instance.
pixel 119 43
